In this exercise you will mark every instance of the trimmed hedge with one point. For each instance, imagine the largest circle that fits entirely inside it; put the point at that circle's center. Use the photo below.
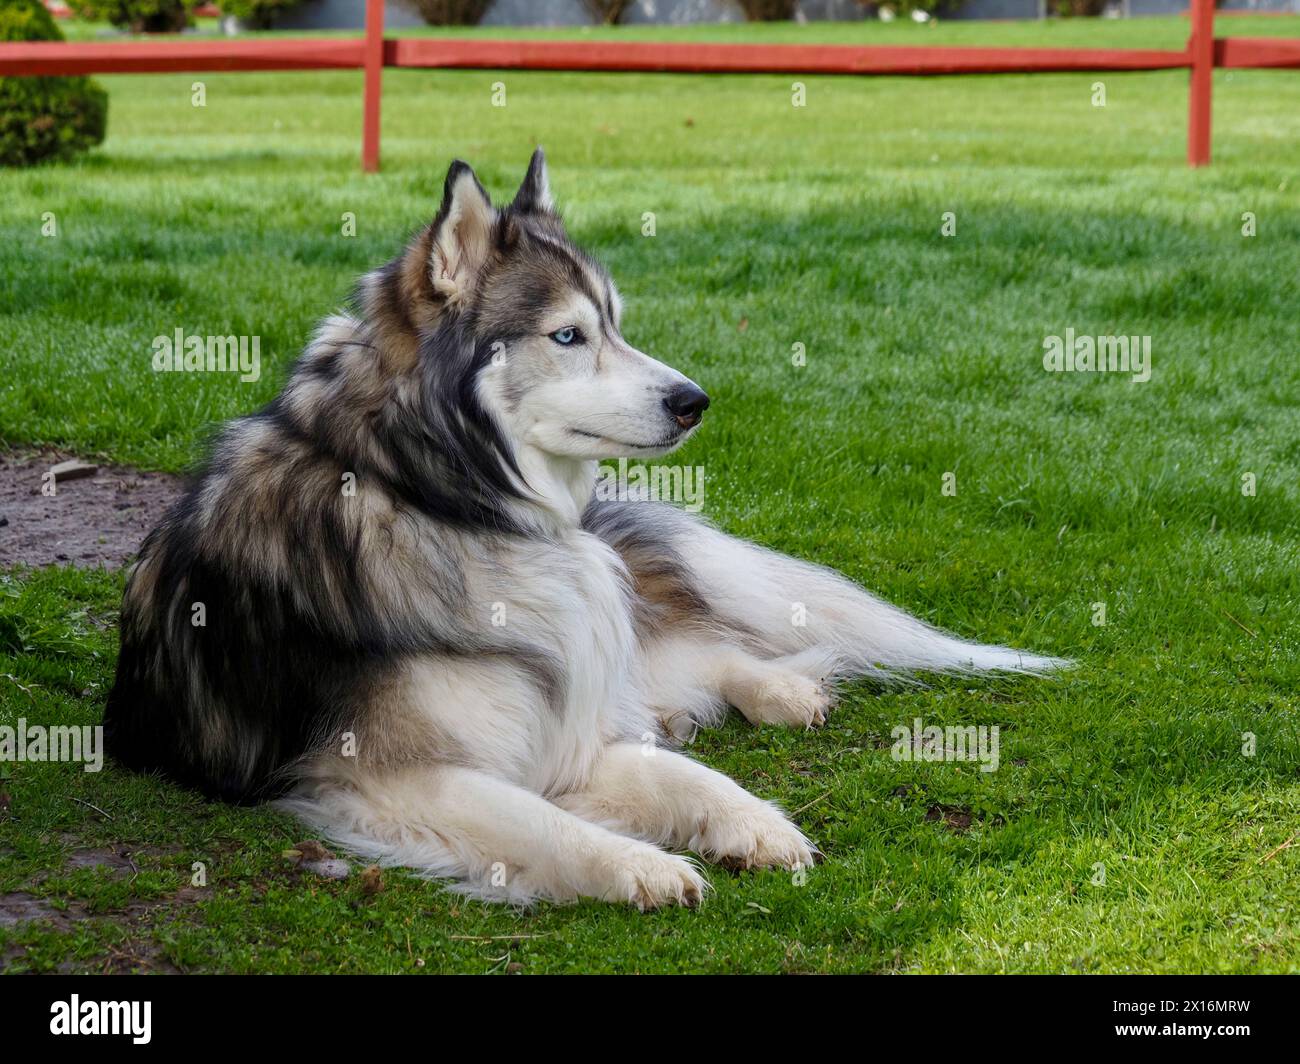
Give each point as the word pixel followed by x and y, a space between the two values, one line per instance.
pixel 258 13
pixel 138 16
pixel 450 12
pixel 44 118
pixel 769 10
pixel 607 12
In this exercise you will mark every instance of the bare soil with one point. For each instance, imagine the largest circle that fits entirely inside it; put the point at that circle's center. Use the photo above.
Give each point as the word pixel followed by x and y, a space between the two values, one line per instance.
pixel 91 522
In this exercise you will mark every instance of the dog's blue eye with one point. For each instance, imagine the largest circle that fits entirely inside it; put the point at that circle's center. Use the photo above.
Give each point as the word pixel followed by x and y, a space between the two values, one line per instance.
pixel 566 336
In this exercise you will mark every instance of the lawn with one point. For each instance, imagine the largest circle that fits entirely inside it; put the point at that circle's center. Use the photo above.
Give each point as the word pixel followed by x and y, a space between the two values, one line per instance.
pixel 1130 825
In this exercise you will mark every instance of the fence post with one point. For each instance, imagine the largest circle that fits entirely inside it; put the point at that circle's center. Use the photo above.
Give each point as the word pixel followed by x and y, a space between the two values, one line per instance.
pixel 1200 48
pixel 374 56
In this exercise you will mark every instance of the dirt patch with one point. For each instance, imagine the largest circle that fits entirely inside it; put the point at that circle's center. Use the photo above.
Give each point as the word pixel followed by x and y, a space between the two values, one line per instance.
pixel 90 522
pixel 140 918
pixel 21 908
pixel 959 820
pixel 138 952
pixel 118 863
pixel 954 818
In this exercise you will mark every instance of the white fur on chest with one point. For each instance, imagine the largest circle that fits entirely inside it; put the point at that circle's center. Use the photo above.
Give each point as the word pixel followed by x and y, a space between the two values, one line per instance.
pixel 567 599
pixel 561 594
pixel 595 640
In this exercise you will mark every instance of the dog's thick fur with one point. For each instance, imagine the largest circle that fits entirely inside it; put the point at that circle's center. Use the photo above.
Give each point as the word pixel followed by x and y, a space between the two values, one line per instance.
pixel 392 601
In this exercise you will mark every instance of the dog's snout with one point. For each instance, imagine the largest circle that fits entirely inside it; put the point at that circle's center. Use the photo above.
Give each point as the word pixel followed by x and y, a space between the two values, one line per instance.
pixel 687 403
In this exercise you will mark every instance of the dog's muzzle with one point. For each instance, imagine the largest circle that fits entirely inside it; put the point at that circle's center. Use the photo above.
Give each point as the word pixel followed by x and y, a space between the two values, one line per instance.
pixel 687 403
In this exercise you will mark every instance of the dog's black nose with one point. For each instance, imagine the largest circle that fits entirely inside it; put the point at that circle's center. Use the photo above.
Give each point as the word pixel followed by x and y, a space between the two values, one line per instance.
pixel 686 403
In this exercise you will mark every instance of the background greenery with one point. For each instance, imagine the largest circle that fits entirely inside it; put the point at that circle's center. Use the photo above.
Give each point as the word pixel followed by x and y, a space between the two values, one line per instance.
pixel 44 118
pixel 775 225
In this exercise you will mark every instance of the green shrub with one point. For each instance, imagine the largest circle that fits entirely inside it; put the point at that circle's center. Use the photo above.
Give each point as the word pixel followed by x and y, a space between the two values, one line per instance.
pixel 607 11
pixel 768 10
pixel 138 16
pixel 258 13
pixel 44 118
pixel 450 12
pixel 1068 8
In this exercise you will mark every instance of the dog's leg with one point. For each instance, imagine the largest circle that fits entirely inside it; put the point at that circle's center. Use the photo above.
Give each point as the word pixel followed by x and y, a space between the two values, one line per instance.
pixel 667 798
pixel 691 679
pixel 780 691
pixel 501 841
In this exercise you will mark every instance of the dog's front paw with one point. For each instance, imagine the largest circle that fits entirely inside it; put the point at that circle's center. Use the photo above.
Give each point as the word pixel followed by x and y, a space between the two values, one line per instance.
pixel 789 699
pixel 757 837
pixel 650 878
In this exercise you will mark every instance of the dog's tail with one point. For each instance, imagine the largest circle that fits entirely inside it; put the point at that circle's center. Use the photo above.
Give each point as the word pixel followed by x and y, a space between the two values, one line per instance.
pixel 858 634
pixel 785 607
pixel 794 606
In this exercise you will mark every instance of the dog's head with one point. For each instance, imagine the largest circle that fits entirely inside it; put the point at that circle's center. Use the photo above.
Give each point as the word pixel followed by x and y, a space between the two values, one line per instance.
pixel 542 318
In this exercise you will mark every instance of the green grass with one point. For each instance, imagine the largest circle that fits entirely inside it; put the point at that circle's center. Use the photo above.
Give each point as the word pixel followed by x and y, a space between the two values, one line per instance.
pixel 775 226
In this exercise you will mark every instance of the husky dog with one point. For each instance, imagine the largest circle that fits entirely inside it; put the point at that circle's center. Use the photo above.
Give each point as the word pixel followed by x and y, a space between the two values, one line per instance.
pixel 392 602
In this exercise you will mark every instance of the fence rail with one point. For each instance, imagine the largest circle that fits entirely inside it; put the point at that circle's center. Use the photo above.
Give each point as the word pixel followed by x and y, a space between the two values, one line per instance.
pixel 373 52
pixel 652 57
pixel 175 56
pixel 1257 52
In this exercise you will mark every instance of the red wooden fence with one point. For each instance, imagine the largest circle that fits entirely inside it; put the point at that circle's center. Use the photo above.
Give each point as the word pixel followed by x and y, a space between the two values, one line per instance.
pixel 373 52
pixel 1200 53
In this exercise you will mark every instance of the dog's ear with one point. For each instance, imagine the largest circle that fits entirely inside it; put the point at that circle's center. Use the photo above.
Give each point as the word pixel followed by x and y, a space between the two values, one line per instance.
pixel 534 195
pixel 462 234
